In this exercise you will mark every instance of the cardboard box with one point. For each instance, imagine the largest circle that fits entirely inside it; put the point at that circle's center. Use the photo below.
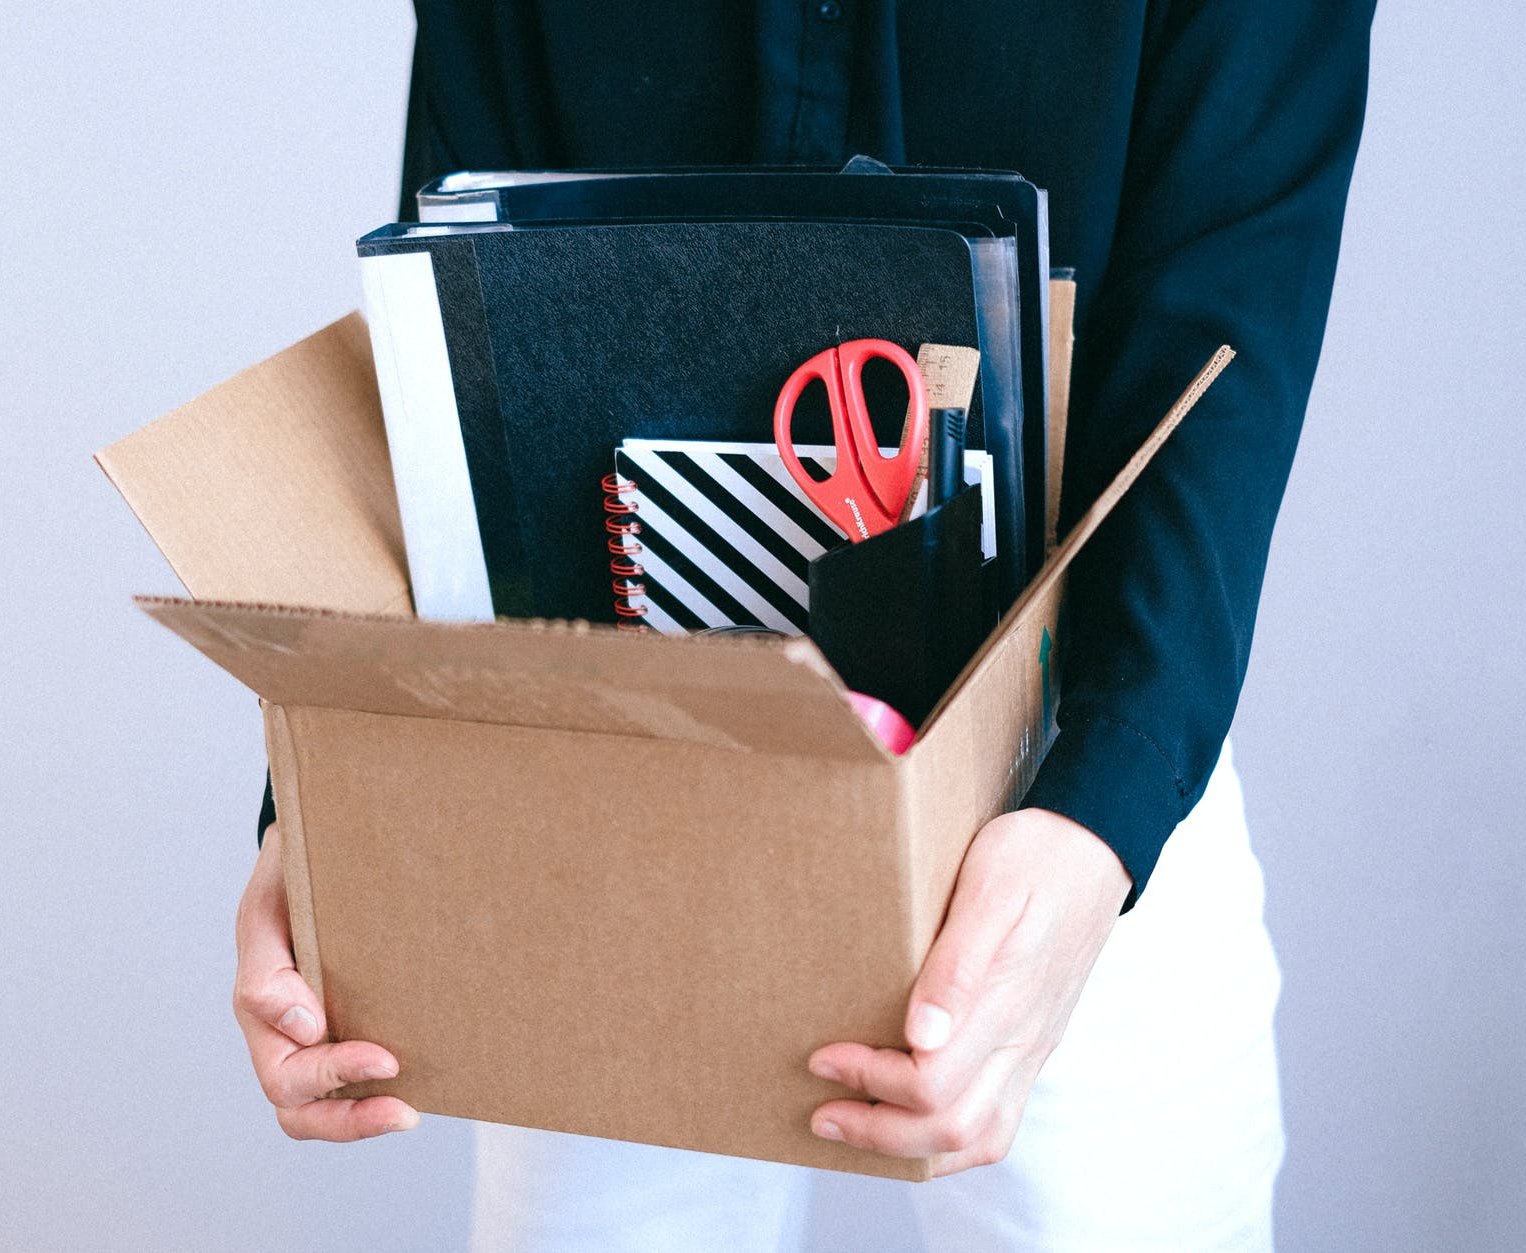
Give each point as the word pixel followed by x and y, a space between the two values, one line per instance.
pixel 578 879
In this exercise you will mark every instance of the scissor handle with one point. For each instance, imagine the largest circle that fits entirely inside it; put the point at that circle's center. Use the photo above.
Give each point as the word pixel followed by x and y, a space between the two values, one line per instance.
pixel 844 496
pixel 890 478
pixel 865 492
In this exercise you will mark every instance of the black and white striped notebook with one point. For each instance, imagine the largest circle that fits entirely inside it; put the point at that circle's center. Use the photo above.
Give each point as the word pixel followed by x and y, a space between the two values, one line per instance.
pixel 706 534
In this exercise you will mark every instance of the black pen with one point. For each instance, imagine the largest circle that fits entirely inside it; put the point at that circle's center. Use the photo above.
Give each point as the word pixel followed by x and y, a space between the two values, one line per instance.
pixel 945 455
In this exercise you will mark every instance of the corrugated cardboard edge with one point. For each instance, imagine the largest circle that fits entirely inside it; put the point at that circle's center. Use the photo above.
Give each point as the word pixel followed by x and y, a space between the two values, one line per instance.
pixel 294 863
pixel 743 693
pixel 1054 568
pixel 1062 341
pixel 106 459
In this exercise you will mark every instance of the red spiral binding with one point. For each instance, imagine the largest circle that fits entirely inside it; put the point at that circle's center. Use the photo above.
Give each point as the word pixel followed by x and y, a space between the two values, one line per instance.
pixel 623 527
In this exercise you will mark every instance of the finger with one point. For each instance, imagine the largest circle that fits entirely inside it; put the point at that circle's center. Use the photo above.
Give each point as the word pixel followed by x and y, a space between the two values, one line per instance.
pixel 995 1142
pixel 268 987
pixel 967 1126
pixel 1010 1011
pixel 924 1082
pixel 280 999
pixel 293 1076
pixel 983 912
pixel 346 1121
pixel 883 1074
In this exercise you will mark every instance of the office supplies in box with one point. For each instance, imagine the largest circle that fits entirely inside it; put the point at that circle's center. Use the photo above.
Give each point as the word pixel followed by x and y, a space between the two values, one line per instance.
pixel 661 306
pixel 1002 213
pixel 574 878
pixel 515 360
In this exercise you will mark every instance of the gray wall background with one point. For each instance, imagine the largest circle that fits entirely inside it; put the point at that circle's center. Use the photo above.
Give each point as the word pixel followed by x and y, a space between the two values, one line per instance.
pixel 185 186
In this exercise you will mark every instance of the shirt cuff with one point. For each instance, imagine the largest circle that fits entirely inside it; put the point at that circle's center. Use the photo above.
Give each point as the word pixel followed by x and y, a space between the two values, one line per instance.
pixel 1114 781
pixel 267 812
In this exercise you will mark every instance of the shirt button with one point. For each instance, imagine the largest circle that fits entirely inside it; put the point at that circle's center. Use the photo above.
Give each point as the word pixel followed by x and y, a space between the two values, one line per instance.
pixel 829 10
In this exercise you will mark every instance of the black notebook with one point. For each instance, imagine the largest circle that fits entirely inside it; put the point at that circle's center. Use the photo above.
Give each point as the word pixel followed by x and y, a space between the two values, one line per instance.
pixel 545 348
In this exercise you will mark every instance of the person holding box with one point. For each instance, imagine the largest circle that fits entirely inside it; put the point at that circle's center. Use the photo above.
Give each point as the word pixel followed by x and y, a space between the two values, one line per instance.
pixel 1093 1061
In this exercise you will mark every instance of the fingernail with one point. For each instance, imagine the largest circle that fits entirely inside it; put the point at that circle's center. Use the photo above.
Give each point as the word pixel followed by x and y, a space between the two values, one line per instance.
pixel 929 1027
pixel 405 1122
pixel 823 1071
pixel 381 1070
pixel 827 1130
pixel 300 1025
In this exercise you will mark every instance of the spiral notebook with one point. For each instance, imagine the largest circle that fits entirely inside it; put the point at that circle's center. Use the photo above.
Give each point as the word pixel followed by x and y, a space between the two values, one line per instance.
pixel 706 533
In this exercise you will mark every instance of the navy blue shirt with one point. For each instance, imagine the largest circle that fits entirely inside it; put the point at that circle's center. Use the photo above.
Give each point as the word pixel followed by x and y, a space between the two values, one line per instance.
pixel 1197 155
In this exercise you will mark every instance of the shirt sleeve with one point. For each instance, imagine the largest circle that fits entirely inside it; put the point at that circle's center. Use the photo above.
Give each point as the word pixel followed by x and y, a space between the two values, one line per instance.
pixel 1245 129
pixel 267 813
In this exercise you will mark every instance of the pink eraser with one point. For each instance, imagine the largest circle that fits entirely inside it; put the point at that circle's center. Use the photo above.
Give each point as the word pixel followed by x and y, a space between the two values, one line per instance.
pixel 894 731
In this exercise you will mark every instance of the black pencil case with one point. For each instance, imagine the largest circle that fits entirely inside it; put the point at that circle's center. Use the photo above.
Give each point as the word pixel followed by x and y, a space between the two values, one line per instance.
pixel 900 613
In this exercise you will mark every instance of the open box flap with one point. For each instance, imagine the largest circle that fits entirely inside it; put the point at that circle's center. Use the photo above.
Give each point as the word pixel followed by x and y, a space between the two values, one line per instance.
pixel 764 694
pixel 1009 630
pixel 275 487
pixel 981 746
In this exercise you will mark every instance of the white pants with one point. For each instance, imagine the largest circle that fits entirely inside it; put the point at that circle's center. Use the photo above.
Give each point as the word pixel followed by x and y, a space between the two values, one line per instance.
pixel 1155 1126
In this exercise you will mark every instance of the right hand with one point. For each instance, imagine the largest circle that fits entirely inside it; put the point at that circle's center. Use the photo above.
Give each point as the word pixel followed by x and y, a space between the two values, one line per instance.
pixel 283 1023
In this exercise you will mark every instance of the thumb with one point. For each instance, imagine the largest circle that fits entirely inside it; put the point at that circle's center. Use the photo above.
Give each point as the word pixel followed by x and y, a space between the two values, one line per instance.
pixel 952 977
pixel 268 986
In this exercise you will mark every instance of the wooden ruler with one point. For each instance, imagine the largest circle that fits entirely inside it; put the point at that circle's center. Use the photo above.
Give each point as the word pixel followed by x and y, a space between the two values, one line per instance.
pixel 948 374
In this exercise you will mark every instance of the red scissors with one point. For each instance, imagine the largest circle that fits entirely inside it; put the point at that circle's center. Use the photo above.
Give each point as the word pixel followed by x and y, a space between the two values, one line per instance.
pixel 866 492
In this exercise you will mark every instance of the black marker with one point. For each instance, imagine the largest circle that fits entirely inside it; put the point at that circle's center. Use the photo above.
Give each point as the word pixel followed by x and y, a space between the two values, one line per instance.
pixel 945 455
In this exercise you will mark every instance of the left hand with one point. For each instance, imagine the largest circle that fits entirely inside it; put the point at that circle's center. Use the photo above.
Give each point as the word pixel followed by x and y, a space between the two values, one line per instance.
pixel 1036 899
